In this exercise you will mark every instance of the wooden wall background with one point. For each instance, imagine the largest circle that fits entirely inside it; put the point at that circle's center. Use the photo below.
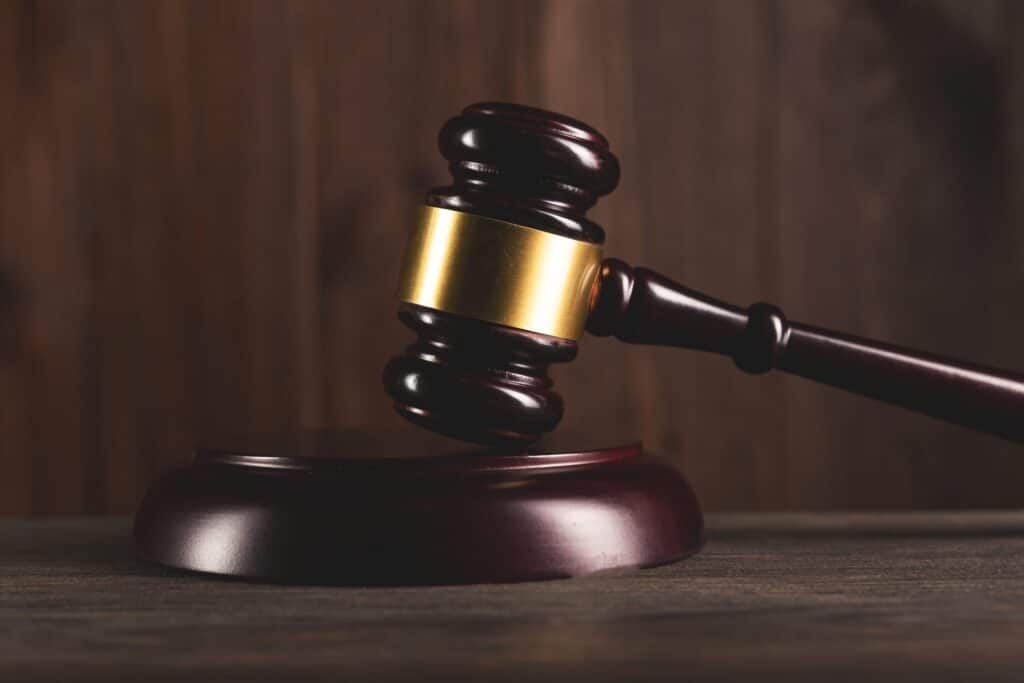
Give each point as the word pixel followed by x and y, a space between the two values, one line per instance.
pixel 202 205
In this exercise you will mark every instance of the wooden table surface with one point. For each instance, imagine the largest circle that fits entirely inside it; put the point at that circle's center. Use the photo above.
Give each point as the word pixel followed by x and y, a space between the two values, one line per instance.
pixel 906 597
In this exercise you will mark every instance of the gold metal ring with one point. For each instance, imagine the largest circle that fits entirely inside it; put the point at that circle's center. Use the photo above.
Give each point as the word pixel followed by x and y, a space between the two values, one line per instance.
pixel 499 272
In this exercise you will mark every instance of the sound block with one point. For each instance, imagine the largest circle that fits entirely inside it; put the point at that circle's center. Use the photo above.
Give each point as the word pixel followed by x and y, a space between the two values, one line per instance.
pixel 406 507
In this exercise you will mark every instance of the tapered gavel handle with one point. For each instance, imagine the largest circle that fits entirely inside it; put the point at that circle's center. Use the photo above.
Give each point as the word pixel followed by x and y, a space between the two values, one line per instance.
pixel 640 306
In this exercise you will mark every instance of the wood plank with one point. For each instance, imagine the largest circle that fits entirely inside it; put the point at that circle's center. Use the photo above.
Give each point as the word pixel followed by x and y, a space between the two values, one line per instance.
pixel 704 105
pixel 200 208
pixel 919 597
pixel 46 260
pixel 586 55
pixel 15 431
pixel 887 116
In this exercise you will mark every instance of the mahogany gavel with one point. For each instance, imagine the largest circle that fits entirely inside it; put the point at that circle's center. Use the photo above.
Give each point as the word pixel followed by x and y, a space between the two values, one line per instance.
pixel 504 271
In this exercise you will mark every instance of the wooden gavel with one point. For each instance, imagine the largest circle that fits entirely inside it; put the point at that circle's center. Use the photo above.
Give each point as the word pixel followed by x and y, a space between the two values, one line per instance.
pixel 504 271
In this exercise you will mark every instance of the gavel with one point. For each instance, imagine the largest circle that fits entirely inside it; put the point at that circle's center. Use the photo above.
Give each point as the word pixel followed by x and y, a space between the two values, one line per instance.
pixel 503 273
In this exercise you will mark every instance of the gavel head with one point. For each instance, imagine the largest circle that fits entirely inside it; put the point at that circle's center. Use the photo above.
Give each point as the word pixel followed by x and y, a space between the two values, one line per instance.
pixel 499 272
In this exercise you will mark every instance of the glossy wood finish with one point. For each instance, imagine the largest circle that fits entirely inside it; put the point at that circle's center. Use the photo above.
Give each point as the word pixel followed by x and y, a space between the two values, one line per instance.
pixel 488 383
pixel 378 508
pixel 777 598
pixel 640 306
pixel 476 381
pixel 526 165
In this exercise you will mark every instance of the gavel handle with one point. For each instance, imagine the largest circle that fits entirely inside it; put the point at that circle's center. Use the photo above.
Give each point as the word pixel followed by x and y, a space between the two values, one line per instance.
pixel 640 306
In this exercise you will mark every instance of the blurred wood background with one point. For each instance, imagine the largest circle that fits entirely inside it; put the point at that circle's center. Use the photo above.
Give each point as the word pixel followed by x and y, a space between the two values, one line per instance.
pixel 202 206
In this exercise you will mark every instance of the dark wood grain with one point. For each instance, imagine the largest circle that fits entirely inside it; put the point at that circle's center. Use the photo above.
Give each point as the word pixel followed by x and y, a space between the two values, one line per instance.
pixel 911 597
pixel 198 199
pixel 640 306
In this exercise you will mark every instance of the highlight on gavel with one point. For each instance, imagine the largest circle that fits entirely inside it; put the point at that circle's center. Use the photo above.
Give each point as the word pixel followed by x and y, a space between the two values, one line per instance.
pixel 504 272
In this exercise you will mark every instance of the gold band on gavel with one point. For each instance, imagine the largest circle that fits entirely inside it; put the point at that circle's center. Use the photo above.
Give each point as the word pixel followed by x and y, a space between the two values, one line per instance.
pixel 499 272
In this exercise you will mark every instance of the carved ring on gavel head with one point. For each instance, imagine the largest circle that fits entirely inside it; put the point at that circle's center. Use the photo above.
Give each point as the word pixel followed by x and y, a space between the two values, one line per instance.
pixel 503 271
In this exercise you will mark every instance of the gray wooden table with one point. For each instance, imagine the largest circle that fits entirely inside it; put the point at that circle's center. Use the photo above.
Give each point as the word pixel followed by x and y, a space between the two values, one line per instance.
pixel 904 597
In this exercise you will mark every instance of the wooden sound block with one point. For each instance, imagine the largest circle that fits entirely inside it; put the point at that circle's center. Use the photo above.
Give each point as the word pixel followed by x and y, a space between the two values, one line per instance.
pixel 407 507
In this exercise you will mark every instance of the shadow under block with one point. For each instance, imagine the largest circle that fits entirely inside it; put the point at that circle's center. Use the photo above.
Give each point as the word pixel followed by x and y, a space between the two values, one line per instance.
pixel 404 507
